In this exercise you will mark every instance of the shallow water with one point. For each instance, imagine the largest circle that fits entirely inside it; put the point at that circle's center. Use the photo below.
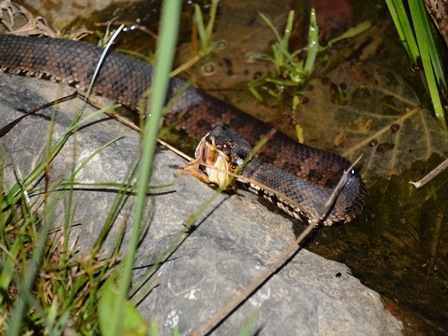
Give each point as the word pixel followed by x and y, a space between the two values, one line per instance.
pixel 385 116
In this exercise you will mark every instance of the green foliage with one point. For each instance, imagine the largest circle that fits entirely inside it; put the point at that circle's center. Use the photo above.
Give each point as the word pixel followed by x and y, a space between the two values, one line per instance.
pixel 37 264
pixel 119 294
pixel 414 29
pixel 132 322
pixel 205 32
pixel 56 289
pixel 205 35
pixel 401 21
pixel 290 68
pixel 44 286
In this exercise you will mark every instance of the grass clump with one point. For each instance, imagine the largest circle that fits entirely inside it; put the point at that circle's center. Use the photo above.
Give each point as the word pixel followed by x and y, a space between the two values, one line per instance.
pixel 291 69
pixel 46 286
pixel 414 27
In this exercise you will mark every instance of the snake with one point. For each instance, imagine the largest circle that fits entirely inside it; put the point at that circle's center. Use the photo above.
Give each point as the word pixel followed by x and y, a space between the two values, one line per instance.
pixel 297 178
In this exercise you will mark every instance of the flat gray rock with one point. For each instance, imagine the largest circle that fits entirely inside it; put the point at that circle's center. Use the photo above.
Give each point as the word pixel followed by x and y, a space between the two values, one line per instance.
pixel 236 238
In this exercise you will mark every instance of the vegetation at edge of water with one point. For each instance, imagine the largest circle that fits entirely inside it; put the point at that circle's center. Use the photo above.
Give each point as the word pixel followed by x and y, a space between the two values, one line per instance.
pixel 414 28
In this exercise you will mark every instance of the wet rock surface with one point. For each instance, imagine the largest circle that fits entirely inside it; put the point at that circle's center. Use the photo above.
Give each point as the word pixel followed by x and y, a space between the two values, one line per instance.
pixel 235 240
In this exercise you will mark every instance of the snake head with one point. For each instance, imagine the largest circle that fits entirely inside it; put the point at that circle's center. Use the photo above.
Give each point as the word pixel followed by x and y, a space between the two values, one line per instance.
pixel 230 143
pixel 215 163
pixel 220 153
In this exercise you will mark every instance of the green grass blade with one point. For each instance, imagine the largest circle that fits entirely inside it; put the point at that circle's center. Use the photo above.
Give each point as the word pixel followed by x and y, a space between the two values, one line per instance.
pixel 201 28
pixel 424 23
pixel 395 17
pixel 401 21
pixel 352 32
pixel 288 30
pixel 270 25
pixel 26 285
pixel 168 34
pixel 313 43
pixel 15 191
pixel 211 22
pixel 423 34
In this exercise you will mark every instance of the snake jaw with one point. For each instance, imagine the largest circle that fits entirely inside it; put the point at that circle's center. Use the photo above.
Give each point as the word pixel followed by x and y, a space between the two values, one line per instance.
pixel 212 165
pixel 199 152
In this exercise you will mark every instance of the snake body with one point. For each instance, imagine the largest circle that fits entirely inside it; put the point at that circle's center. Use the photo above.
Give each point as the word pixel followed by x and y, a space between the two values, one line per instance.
pixel 282 165
pixel 289 193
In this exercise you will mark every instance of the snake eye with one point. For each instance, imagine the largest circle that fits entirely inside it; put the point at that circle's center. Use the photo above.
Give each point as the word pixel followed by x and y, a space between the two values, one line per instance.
pixel 351 172
pixel 228 145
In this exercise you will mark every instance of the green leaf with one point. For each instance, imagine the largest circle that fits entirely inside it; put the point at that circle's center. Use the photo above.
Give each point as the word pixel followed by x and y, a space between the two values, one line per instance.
pixel 401 21
pixel 131 321
pixel 313 43
pixel 424 35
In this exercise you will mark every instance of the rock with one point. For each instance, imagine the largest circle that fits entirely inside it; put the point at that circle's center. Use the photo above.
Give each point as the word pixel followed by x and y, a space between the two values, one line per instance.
pixel 64 15
pixel 236 238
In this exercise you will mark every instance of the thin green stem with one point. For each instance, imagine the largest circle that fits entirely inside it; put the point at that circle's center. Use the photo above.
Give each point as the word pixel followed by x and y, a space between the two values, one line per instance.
pixel 423 34
pixel 211 22
pixel 401 21
pixel 313 43
pixel 164 59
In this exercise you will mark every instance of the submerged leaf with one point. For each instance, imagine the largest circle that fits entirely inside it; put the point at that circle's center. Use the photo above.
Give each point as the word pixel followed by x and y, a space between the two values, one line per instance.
pixel 364 109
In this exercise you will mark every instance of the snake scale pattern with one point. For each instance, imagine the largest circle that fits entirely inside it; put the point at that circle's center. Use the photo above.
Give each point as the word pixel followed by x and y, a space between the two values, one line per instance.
pixel 305 174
